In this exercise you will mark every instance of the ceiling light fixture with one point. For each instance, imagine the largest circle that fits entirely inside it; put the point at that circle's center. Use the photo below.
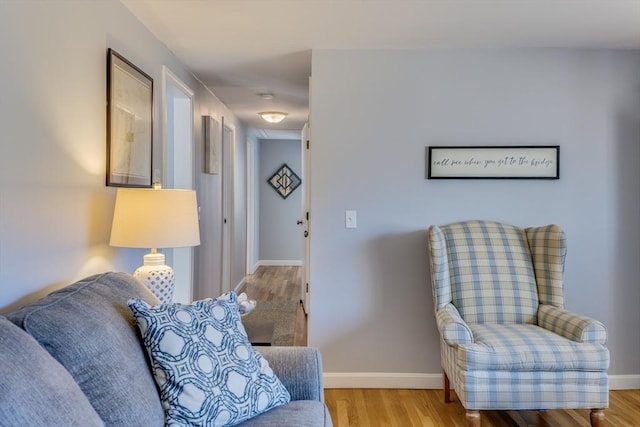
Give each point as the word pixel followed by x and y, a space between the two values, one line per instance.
pixel 273 116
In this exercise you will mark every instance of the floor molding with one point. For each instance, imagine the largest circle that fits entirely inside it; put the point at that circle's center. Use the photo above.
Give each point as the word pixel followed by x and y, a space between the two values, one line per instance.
pixel 430 381
pixel 382 380
pixel 624 382
pixel 278 262
pixel 240 285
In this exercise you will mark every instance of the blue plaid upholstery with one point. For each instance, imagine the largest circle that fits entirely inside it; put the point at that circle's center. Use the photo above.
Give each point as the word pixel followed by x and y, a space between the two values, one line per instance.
pixel 453 329
pixel 532 390
pixel 511 347
pixel 548 246
pixel 491 276
pixel 506 341
pixel 439 268
pixel 571 326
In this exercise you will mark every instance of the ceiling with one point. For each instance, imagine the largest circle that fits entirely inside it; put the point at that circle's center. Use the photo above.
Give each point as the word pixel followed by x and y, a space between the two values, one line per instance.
pixel 243 48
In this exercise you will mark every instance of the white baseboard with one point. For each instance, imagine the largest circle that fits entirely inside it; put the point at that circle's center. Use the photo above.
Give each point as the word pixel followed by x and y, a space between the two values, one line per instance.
pixel 430 381
pixel 382 380
pixel 239 285
pixel 624 382
pixel 278 262
pixel 253 269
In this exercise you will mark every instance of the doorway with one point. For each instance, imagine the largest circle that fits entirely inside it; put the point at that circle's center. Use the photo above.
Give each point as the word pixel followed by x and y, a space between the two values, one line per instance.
pixel 178 168
pixel 276 223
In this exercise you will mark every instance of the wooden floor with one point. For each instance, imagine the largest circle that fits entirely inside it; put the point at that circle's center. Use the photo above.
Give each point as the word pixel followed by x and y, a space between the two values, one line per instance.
pixel 420 408
pixel 426 408
pixel 279 283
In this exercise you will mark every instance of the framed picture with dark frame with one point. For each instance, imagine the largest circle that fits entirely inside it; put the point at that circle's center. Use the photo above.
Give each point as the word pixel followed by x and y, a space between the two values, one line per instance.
pixel 493 162
pixel 129 123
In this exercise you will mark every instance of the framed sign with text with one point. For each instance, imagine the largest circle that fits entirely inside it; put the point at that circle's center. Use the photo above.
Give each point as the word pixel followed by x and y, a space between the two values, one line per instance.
pixel 493 162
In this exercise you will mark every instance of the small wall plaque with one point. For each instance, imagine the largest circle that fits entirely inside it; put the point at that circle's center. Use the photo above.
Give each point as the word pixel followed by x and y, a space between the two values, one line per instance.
pixel 212 145
pixel 284 181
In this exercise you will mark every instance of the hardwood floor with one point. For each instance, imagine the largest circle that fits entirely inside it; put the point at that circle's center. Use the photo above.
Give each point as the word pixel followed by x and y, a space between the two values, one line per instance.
pixel 279 283
pixel 426 408
pixel 420 408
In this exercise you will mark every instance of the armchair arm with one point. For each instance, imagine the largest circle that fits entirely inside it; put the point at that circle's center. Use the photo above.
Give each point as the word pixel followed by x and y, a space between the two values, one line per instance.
pixel 298 368
pixel 570 325
pixel 452 327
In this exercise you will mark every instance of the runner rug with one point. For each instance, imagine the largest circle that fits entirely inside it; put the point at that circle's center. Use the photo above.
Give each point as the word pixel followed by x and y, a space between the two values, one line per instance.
pixel 283 316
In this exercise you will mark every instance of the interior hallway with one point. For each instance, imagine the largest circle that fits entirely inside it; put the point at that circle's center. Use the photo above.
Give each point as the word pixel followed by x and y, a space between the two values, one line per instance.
pixel 279 283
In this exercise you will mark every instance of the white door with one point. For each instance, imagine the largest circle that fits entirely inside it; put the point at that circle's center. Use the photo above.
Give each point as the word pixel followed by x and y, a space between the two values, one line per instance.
pixel 227 207
pixel 178 168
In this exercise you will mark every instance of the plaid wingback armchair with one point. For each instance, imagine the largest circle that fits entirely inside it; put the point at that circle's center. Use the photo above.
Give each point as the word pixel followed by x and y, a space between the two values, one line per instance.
pixel 506 341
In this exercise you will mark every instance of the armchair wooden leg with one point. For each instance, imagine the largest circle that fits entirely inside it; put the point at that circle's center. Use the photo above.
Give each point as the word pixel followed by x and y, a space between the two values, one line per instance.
pixel 473 418
pixel 446 387
pixel 597 417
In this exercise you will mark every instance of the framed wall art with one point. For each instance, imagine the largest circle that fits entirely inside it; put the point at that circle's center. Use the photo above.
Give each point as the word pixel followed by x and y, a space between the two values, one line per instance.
pixel 212 145
pixel 284 181
pixel 493 162
pixel 129 123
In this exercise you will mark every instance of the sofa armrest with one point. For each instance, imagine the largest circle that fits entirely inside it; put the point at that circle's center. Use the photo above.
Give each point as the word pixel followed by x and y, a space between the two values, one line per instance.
pixel 298 368
pixel 452 327
pixel 570 325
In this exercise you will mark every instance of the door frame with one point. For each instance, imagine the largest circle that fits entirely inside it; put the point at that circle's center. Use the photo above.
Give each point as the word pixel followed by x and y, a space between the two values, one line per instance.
pixel 227 223
pixel 182 259
pixel 252 195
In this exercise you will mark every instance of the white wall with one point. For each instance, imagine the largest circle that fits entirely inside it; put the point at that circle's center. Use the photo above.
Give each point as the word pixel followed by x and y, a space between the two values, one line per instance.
pixel 55 210
pixel 373 114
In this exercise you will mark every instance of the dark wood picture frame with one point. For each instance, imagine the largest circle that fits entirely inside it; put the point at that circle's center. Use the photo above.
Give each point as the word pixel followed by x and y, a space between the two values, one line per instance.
pixel 493 162
pixel 129 123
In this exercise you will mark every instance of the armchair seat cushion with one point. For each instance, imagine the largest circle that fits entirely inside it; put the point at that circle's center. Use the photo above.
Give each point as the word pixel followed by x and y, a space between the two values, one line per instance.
pixel 524 347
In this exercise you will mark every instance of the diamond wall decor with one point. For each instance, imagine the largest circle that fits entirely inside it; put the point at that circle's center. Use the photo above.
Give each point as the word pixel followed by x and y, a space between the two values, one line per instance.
pixel 284 181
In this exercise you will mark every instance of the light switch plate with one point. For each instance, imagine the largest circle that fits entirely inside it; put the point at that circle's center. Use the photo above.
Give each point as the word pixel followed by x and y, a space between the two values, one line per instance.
pixel 350 220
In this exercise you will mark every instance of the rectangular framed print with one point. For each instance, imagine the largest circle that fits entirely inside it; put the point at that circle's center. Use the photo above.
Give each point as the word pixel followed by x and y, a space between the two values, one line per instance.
pixel 129 123
pixel 212 145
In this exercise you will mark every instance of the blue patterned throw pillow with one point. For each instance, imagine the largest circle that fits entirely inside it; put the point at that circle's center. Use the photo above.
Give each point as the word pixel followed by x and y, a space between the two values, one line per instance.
pixel 207 372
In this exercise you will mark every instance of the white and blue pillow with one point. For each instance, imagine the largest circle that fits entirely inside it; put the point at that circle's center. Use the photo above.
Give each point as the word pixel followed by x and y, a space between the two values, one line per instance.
pixel 207 372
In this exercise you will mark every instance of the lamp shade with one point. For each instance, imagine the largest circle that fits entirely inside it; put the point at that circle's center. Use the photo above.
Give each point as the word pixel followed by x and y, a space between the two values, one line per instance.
pixel 146 218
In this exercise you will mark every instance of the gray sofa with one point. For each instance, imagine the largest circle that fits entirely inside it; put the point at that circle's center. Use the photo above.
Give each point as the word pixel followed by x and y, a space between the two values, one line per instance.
pixel 74 358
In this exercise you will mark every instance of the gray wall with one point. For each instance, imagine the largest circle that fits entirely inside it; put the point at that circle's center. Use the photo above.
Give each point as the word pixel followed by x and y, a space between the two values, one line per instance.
pixel 374 112
pixel 55 210
pixel 280 238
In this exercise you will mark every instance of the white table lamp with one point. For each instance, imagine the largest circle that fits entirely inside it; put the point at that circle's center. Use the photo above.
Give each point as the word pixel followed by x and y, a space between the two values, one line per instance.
pixel 146 218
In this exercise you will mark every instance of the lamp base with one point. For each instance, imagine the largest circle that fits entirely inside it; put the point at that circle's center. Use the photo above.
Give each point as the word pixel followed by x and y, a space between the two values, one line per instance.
pixel 157 276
